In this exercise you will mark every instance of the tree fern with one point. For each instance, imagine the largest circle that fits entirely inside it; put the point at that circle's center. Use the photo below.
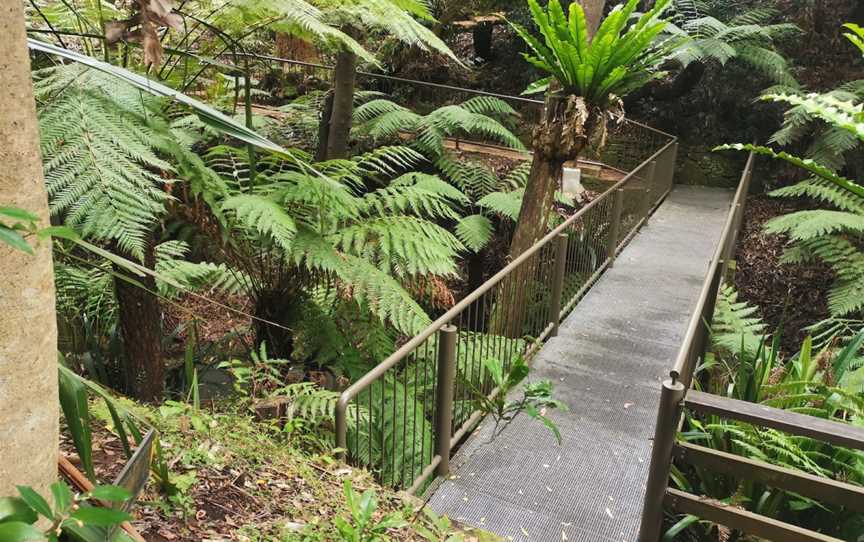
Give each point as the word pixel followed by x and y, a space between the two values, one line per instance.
pixel 100 143
pixel 475 231
pixel 747 37
pixel 833 236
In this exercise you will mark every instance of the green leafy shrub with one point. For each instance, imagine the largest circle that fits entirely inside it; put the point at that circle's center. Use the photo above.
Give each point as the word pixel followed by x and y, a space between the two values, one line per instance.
pixel 535 401
pixel 71 515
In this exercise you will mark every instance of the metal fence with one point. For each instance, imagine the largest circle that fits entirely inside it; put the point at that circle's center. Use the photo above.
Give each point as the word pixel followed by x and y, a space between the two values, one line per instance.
pixel 676 397
pixel 630 142
pixel 402 419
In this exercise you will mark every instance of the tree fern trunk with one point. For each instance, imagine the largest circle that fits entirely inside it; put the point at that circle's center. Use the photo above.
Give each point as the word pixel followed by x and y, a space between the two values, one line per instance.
pixel 283 306
pixel 343 105
pixel 324 128
pixel 29 432
pixel 482 36
pixel 141 328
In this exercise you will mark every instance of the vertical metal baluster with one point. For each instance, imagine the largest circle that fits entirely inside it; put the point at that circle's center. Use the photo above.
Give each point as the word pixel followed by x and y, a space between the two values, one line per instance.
pixel 414 424
pixel 369 430
pixel 405 422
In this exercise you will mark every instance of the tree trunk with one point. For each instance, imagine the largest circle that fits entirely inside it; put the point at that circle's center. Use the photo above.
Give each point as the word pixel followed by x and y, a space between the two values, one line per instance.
pixel 141 328
pixel 593 14
pixel 284 306
pixel 324 128
pixel 29 424
pixel 343 105
pixel 560 136
pixel 482 34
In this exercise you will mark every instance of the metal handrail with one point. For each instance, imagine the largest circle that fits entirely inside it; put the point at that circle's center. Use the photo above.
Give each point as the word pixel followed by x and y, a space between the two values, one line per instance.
pixel 645 171
pixel 674 390
pixel 416 82
pixel 353 390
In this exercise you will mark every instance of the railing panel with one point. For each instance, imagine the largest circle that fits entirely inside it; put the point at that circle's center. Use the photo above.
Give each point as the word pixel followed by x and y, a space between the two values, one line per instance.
pixel 742 468
pixel 836 433
pixel 736 518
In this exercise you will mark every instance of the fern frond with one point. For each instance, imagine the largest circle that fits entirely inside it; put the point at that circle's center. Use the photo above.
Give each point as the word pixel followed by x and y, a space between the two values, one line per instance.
pixel 401 245
pixel 735 323
pixel 825 191
pixel 264 216
pixel 504 203
pixel 475 231
pixel 99 143
pixel 808 225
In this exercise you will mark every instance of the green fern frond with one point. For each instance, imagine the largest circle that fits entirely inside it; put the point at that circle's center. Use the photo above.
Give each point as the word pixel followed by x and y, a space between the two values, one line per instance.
pixel 100 142
pixel 401 245
pixel 264 216
pixel 475 231
pixel 808 225
pixel 825 191
pixel 507 204
pixel 735 323
pixel 417 193
pixel 839 113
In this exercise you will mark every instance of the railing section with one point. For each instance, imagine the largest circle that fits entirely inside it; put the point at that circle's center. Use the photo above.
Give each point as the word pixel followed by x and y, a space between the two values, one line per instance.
pixel 676 397
pixel 402 419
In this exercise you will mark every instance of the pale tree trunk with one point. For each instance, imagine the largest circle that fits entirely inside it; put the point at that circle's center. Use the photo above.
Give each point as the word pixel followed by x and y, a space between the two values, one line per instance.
pixel 343 105
pixel 29 433
pixel 593 14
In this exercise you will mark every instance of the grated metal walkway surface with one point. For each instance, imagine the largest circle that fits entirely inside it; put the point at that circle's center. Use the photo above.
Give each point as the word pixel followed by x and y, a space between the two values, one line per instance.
pixel 607 363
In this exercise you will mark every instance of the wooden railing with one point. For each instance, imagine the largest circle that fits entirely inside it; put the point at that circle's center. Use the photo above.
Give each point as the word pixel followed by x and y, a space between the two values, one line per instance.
pixel 676 397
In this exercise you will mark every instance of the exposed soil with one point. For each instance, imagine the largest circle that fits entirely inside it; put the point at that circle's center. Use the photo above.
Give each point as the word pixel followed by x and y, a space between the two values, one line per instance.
pixel 242 485
pixel 212 317
pixel 791 295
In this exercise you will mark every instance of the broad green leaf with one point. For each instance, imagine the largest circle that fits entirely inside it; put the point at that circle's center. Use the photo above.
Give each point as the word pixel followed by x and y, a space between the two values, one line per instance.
pixel 14 239
pixel 15 509
pixel 73 401
pixel 110 493
pixel 35 501
pixel 17 531
pixel 102 517
pixel 19 214
pixel 62 497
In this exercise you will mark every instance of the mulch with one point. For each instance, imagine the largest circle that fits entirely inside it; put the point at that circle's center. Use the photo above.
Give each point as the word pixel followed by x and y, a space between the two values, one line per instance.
pixel 791 295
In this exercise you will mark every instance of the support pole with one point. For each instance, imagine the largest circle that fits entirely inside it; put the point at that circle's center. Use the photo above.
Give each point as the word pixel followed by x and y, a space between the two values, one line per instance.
pixel 669 413
pixel 650 178
pixel 558 283
pixel 444 395
pixel 615 226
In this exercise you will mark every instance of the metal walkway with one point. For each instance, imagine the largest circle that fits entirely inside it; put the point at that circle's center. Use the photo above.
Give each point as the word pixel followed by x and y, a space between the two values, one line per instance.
pixel 606 363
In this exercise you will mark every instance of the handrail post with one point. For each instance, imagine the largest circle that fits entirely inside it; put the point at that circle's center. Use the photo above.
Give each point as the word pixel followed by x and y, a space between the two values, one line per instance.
pixel 665 431
pixel 615 226
pixel 671 160
pixel 558 283
pixel 341 422
pixel 650 177
pixel 444 395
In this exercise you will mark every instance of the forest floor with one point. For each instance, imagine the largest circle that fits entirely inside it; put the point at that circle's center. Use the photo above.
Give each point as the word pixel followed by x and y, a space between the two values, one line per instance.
pixel 793 296
pixel 240 479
